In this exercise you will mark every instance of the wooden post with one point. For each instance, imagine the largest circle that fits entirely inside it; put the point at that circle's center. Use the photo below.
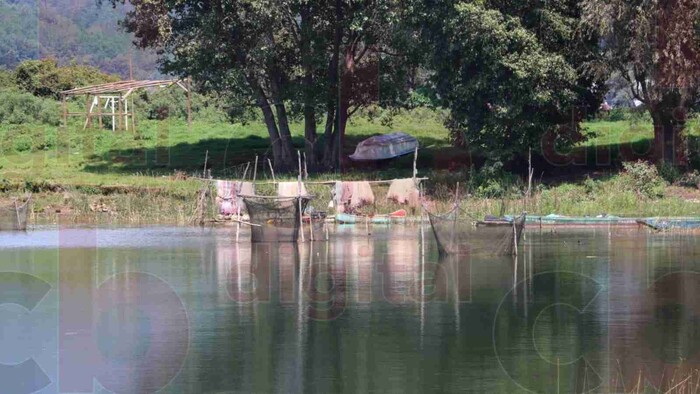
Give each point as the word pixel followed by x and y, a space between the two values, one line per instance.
pixel 245 173
pixel 189 103
pixel 88 118
pixel 255 169
pixel 133 117
pixel 65 110
pixel 99 111
pixel 114 119
pixel 301 214
pixel 272 170
pixel 306 169
pixel 415 162
pixel 206 158
pixel 119 115
pixel 126 114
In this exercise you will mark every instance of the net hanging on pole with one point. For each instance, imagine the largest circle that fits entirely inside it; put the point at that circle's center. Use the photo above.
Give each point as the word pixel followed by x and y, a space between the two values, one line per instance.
pixel 456 235
pixel 14 216
pixel 275 219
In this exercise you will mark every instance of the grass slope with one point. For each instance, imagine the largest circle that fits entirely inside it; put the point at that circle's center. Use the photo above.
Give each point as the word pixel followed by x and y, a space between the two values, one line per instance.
pixel 126 175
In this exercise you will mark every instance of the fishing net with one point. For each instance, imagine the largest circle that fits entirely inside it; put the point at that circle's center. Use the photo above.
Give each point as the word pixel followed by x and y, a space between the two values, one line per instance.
pixel 275 219
pixel 455 234
pixel 13 217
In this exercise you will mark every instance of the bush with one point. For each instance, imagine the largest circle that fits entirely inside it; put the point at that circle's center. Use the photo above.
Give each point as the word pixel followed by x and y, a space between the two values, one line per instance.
pixel 172 103
pixel 689 179
pixel 7 79
pixel 644 179
pixel 617 114
pixel 23 108
pixel 492 181
pixel 45 78
pixel 669 172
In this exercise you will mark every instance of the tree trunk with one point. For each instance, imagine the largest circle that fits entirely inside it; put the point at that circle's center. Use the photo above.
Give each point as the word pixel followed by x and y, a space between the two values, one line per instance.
pixel 330 152
pixel 283 159
pixel 283 123
pixel 669 142
pixel 310 135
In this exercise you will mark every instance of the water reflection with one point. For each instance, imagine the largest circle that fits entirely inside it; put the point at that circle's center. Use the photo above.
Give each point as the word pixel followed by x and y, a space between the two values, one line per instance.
pixel 193 310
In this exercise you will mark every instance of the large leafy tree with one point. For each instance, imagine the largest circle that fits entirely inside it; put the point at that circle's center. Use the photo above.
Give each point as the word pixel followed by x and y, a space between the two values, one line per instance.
pixel 509 72
pixel 320 60
pixel 655 46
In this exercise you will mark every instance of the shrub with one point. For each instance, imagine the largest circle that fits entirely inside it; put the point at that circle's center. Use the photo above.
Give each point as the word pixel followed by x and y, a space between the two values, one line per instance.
pixel 617 114
pixel 45 78
pixel 172 103
pixel 644 179
pixel 669 172
pixel 493 181
pixel 22 108
pixel 7 80
pixel 689 179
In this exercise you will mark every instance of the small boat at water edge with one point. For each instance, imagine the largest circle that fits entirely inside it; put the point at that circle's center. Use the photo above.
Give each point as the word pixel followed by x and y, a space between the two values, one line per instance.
pixel 575 221
pixel 493 221
pixel 394 217
pixel 691 223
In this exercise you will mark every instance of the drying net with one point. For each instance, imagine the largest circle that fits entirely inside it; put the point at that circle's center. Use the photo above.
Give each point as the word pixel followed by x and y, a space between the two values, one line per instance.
pixel 13 217
pixel 455 234
pixel 275 219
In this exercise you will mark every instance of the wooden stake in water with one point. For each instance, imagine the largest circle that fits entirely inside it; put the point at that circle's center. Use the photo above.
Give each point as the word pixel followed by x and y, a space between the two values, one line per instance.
pixel 206 158
pixel 272 170
pixel 245 173
pixel 306 169
pixel 301 213
pixel 415 163
pixel 515 239
pixel 255 169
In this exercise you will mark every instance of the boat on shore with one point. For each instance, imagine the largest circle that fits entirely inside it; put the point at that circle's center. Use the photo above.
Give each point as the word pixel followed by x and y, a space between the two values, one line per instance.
pixel 386 146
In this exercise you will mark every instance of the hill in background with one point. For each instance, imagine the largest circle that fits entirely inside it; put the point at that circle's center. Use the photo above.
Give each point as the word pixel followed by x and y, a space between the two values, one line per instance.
pixel 70 30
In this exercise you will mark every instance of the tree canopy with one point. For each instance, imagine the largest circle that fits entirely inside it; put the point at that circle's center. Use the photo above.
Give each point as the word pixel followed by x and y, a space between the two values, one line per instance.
pixel 319 60
pixel 509 72
pixel 655 46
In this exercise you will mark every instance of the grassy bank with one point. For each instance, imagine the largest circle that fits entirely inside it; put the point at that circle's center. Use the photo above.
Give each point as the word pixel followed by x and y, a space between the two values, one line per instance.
pixel 100 176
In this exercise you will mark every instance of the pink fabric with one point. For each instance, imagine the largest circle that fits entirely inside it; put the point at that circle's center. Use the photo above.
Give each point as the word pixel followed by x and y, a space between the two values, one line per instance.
pixel 227 193
pixel 352 195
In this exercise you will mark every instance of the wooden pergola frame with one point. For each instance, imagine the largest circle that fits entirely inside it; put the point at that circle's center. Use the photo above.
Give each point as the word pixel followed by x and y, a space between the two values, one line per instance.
pixel 117 93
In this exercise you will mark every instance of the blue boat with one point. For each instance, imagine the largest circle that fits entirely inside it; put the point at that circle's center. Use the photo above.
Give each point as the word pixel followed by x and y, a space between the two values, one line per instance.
pixel 599 220
pixel 671 223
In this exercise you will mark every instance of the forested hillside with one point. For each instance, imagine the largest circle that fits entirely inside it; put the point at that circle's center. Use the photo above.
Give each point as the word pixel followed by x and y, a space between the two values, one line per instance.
pixel 70 30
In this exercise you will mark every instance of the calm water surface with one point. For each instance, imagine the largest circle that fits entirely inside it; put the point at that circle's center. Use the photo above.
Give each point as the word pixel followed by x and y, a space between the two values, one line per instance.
pixel 191 310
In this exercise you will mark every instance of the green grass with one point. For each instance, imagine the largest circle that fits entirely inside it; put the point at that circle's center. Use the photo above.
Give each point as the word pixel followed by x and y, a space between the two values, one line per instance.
pixel 100 157
pixel 135 173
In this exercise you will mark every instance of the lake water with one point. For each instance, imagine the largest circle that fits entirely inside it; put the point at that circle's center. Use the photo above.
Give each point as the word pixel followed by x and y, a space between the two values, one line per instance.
pixel 191 310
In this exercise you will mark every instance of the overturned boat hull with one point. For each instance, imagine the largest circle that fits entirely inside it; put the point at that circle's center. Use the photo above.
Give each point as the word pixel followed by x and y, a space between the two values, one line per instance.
pixel 387 146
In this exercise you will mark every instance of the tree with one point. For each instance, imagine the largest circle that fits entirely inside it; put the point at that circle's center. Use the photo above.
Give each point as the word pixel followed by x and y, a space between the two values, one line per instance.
pixel 508 71
pixel 45 78
pixel 655 46
pixel 290 58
